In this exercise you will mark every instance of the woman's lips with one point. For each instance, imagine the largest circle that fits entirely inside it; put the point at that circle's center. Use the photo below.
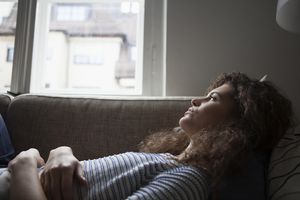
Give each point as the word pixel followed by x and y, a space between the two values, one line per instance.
pixel 189 111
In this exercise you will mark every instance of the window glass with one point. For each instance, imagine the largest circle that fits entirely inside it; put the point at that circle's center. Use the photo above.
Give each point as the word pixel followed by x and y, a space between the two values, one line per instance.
pixel 89 47
pixel 8 16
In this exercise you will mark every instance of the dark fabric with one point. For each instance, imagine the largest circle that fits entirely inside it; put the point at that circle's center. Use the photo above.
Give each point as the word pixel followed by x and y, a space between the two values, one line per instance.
pixel 4 103
pixel 249 184
pixel 6 148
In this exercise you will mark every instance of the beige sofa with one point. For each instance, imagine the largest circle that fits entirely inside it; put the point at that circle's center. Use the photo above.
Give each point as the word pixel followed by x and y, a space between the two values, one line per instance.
pixel 96 127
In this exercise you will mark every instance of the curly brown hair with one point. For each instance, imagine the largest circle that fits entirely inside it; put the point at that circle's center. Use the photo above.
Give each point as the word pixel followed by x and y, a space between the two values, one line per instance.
pixel 262 115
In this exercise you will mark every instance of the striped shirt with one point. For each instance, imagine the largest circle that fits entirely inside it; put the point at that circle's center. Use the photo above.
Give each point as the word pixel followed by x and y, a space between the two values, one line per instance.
pixel 143 176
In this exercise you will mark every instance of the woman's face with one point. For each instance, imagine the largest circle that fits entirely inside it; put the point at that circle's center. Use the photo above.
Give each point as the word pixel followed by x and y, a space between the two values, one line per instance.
pixel 208 111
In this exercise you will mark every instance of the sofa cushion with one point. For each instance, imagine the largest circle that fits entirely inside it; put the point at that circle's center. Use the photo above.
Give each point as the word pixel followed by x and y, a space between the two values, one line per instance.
pixel 284 170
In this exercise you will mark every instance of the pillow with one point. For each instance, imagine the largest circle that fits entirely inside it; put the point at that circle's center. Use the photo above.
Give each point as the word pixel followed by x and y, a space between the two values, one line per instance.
pixel 284 169
pixel 6 148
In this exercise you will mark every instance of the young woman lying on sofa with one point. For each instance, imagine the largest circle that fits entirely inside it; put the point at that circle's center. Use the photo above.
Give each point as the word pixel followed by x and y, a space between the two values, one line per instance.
pixel 217 133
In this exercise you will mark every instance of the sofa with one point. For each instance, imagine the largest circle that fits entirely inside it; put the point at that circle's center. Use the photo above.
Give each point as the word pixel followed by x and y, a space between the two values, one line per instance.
pixel 97 127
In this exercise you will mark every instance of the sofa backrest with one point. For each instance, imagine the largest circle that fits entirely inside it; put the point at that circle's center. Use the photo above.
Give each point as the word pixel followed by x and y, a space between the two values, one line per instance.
pixel 92 127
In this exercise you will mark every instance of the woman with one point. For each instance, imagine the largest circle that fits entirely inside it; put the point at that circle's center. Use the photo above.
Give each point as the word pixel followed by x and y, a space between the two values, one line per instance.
pixel 239 115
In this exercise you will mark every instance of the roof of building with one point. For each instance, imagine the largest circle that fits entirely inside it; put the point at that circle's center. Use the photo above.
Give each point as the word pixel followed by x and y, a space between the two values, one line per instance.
pixel 8 25
pixel 100 21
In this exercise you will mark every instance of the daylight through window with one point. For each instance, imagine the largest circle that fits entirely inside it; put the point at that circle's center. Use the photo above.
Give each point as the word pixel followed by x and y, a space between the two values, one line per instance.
pixel 8 15
pixel 89 47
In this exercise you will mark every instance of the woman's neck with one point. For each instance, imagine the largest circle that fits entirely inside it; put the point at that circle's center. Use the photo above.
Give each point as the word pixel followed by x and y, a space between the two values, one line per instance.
pixel 186 151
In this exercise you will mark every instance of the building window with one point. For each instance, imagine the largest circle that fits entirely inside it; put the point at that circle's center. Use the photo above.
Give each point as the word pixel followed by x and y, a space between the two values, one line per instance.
pixel 10 54
pixel 130 7
pixel 87 60
pixel 134 53
pixel 72 12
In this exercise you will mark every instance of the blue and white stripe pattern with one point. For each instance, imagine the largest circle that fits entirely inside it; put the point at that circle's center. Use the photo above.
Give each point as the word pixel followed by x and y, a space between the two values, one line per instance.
pixel 143 176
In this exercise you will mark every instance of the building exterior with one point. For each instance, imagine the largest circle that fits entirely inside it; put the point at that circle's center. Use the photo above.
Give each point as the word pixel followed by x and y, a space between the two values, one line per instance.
pixel 88 46
pixel 7 31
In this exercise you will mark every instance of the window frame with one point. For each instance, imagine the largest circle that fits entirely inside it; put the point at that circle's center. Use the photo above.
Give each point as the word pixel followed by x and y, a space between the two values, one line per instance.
pixel 21 72
pixel 153 58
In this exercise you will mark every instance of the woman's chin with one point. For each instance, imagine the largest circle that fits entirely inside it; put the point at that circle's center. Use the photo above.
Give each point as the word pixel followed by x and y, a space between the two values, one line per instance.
pixel 185 118
pixel 183 123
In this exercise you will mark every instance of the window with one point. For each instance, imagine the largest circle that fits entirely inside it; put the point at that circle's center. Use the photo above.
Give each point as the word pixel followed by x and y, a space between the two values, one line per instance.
pixel 103 39
pixel 71 12
pixel 10 54
pixel 130 7
pixel 7 38
pixel 89 47
pixel 87 60
pixel 133 53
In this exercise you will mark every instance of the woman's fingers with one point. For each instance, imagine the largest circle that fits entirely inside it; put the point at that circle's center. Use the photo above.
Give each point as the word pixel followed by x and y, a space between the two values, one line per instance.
pixel 36 154
pixel 29 158
pixel 59 173
pixel 55 187
pixel 57 182
pixel 47 185
pixel 67 184
pixel 40 162
pixel 80 175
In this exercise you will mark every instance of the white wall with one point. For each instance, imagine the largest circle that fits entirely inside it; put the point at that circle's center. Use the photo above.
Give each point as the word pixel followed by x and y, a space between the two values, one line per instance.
pixel 56 61
pixel 95 75
pixel 207 37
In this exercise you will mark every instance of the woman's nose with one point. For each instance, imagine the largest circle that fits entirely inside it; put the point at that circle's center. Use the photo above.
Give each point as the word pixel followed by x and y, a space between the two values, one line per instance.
pixel 197 101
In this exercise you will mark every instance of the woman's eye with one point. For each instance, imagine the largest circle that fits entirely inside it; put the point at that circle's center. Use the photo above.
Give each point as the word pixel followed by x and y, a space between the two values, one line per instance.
pixel 213 97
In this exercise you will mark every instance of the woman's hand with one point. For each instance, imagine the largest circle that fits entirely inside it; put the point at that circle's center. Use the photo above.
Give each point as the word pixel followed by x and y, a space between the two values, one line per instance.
pixel 24 182
pixel 60 171
pixel 29 159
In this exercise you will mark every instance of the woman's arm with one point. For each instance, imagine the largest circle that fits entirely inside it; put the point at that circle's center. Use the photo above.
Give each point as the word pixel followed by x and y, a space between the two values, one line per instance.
pixel 25 183
pixel 61 169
